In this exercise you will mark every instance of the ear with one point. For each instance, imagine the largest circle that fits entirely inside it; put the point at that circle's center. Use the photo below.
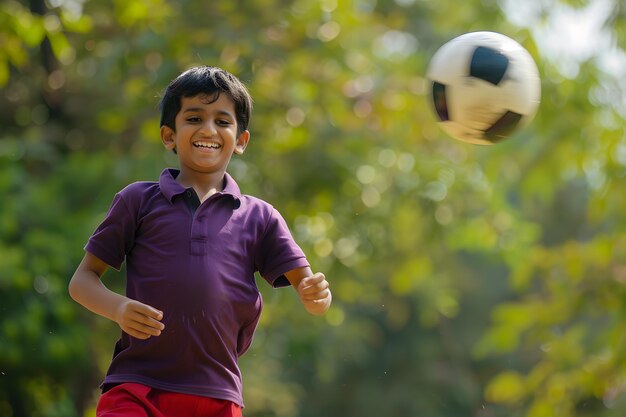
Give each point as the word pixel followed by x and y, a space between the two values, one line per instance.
pixel 242 142
pixel 168 137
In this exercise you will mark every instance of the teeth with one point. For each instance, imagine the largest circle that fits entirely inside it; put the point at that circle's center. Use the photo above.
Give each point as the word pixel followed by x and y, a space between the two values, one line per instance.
pixel 206 145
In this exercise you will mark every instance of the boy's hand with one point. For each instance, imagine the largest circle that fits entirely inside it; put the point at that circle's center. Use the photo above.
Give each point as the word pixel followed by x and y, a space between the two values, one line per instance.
pixel 136 319
pixel 314 292
pixel 139 320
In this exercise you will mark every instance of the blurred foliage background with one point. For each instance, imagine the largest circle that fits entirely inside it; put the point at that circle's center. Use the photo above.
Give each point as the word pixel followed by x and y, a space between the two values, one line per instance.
pixel 468 280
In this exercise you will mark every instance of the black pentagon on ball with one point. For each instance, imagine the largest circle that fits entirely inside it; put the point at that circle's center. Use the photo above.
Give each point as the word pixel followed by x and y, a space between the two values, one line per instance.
pixel 440 102
pixel 488 64
pixel 503 127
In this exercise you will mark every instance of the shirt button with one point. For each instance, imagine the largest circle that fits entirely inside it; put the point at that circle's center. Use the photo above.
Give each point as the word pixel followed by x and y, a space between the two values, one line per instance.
pixel 188 193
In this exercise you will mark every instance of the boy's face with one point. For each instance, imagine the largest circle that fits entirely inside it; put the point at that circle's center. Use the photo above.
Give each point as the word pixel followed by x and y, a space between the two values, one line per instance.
pixel 206 134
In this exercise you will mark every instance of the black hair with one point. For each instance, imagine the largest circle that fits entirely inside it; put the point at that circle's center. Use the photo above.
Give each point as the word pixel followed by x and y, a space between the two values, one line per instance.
pixel 211 81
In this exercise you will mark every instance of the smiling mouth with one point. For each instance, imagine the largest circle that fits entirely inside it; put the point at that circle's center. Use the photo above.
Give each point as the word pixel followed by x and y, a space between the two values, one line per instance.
pixel 207 145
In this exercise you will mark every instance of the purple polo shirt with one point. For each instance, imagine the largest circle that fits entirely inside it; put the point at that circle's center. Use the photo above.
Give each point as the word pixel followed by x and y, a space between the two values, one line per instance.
pixel 199 269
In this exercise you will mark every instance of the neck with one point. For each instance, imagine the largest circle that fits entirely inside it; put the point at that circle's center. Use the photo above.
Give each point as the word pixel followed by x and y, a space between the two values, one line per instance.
pixel 205 185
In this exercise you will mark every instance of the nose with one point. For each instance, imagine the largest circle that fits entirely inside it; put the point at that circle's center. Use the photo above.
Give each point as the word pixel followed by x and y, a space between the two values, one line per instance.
pixel 208 128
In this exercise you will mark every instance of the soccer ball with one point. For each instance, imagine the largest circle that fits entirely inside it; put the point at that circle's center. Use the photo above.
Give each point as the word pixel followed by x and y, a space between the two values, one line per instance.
pixel 485 86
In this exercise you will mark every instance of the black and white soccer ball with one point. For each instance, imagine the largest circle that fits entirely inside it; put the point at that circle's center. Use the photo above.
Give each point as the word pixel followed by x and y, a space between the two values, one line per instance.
pixel 485 86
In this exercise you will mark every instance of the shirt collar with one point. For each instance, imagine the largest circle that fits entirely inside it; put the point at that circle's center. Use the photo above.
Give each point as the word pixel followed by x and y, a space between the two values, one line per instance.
pixel 171 188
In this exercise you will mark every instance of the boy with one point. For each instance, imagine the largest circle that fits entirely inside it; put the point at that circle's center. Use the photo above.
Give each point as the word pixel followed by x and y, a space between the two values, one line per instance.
pixel 192 244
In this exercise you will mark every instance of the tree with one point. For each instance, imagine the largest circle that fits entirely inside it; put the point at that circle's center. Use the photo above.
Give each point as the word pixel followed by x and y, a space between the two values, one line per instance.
pixel 483 281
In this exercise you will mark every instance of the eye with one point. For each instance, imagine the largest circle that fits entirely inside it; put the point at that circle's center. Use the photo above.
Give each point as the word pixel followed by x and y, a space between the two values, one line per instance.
pixel 223 122
pixel 194 119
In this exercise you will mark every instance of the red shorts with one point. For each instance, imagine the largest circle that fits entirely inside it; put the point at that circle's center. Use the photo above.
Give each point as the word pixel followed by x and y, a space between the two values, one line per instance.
pixel 136 400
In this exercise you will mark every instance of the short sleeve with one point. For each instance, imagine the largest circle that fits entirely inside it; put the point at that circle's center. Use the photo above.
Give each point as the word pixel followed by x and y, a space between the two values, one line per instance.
pixel 278 252
pixel 115 236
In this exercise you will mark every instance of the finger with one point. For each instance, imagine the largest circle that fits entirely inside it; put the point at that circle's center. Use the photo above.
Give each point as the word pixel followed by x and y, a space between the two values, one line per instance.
pixel 149 311
pixel 312 280
pixel 317 296
pixel 144 328
pixel 134 330
pixel 316 278
pixel 145 320
pixel 315 288
pixel 137 334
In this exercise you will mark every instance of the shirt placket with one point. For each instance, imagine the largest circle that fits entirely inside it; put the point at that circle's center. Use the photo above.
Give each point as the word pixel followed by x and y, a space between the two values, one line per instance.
pixel 198 238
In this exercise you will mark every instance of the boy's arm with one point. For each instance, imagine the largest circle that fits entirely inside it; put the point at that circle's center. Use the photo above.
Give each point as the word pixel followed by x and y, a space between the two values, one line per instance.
pixel 313 289
pixel 137 319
